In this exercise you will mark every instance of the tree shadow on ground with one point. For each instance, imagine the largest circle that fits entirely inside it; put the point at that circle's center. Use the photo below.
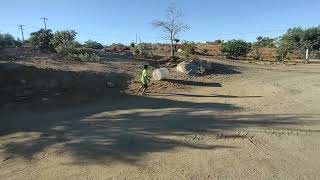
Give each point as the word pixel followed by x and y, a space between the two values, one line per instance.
pixel 198 95
pixel 224 69
pixel 125 128
pixel 193 83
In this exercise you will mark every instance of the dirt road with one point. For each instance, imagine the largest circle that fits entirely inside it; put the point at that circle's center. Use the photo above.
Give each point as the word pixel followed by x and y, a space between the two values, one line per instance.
pixel 262 124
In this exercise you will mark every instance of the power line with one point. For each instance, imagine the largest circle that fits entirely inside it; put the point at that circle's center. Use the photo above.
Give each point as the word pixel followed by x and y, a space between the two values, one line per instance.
pixel 136 38
pixel 21 29
pixel 44 22
pixel 252 32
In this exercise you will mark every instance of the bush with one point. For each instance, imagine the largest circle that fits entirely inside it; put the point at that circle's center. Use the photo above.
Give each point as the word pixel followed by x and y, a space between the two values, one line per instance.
pixel 264 42
pixel 132 45
pixel 70 50
pixel 118 47
pixel 256 53
pixel 93 44
pixel 235 48
pixel 189 51
pixel 64 39
pixel 41 39
pixel 7 40
pixel 89 57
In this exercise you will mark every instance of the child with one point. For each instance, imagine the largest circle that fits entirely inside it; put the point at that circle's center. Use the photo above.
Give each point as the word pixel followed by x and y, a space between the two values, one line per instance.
pixel 144 79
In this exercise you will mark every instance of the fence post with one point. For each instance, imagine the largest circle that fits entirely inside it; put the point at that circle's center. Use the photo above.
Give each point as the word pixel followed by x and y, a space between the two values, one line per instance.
pixel 307 55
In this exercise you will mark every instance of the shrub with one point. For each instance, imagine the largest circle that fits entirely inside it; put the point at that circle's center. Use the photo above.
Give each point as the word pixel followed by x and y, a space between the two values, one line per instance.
pixel 218 41
pixel 188 51
pixel 235 48
pixel 7 40
pixel 93 44
pixel 70 50
pixel 264 42
pixel 89 57
pixel 256 53
pixel 204 51
pixel 64 39
pixel 41 39
pixel 118 47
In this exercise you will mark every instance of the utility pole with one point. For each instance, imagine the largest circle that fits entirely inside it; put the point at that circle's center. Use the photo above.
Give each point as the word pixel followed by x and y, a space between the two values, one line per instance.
pixel 44 22
pixel 136 38
pixel 21 28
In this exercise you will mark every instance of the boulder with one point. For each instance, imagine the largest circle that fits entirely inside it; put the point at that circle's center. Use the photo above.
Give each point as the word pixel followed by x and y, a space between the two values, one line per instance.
pixel 160 74
pixel 180 50
pixel 194 67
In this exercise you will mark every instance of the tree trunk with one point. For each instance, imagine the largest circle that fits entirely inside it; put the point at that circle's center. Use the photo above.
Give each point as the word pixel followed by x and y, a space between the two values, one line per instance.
pixel 172 49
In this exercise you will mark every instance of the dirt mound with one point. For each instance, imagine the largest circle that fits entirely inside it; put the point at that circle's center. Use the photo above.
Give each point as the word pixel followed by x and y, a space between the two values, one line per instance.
pixel 33 85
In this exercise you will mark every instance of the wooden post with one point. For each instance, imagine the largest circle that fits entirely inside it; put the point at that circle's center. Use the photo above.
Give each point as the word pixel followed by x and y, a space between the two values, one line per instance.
pixel 307 55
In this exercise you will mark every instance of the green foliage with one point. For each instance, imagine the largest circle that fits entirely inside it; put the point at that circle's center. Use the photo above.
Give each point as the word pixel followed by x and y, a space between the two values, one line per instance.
pixel 93 44
pixel 189 50
pixel 311 38
pixel 218 41
pixel 64 39
pixel 176 40
pixel 41 39
pixel 132 45
pixel 235 48
pixel 264 42
pixel 298 39
pixel 87 57
pixel 70 50
pixel 7 40
pixel 189 47
pixel 292 39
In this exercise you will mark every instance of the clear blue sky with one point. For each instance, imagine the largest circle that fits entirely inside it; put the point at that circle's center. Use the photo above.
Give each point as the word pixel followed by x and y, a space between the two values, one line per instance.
pixel 110 21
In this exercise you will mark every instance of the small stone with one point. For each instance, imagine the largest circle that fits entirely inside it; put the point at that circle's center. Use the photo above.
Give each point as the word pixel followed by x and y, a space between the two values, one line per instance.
pixel 110 84
pixel 23 81
pixel 45 134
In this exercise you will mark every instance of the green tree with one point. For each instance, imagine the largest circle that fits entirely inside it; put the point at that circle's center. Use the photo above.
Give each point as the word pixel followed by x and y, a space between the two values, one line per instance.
pixel 311 38
pixel 41 39
pixel 218 41
pixel 235 48
pixel 93 44
pixel 64 39
pixel 264 42
pixel 291 41
pixel 7 40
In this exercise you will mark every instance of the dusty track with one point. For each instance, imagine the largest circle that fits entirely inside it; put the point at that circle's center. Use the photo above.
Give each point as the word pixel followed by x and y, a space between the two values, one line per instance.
pixel 262 124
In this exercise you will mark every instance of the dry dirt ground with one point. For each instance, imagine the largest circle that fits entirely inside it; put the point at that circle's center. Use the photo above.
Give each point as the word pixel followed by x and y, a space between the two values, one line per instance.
pixel 243 122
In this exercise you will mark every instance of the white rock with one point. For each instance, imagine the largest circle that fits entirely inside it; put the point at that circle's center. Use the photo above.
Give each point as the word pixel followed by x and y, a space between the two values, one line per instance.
pixel 160 74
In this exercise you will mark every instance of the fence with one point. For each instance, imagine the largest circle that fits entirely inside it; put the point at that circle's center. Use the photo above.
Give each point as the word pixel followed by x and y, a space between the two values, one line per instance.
pixel 313 56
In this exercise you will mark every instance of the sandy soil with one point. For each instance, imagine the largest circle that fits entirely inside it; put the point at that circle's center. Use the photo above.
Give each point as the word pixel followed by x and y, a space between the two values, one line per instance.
pixel 255 122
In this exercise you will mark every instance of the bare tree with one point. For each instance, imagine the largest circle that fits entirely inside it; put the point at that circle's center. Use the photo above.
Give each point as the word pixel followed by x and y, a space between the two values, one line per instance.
pixel 172 25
